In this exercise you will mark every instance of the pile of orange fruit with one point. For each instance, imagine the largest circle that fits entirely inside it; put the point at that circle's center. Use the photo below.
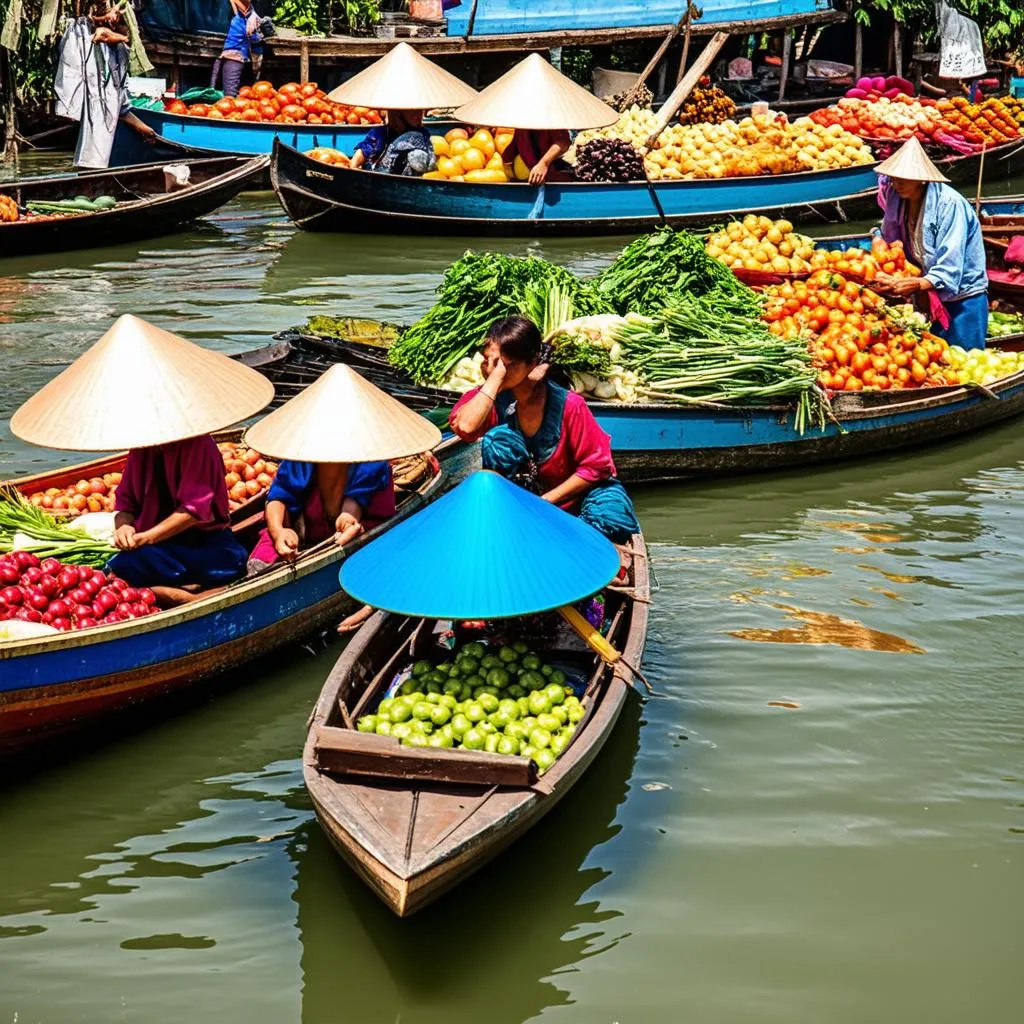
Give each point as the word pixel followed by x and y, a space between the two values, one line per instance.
pixel 291 104
pixel 857 343
pixel 8 210
pixel 860 265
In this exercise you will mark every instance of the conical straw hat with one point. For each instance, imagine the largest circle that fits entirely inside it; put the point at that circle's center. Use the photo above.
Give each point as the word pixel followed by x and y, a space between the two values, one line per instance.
pixel 403 79
pixel 911 163
pixel 534 95
pixel 138 386
pixel 342 417
pixel 444 562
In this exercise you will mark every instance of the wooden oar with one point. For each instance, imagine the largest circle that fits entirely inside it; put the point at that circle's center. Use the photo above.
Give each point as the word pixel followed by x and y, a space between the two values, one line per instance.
pixel 981 174
pixel 592 637
pixel 675 100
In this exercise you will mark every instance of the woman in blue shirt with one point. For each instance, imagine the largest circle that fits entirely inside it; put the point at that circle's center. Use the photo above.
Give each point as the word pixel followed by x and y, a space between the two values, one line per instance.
pixel 243 42
pixel 941 233
pixel 402 146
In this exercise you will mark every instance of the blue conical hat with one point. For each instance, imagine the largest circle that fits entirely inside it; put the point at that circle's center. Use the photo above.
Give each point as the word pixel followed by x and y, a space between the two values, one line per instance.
pixel 487 550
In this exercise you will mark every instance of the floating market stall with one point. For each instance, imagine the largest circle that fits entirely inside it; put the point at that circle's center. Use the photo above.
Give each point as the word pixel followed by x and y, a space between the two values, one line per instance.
pixel 95 208
pixel 691 173
pixel 107 646
pixel 302 115
pixel 425 758
pixel 681 362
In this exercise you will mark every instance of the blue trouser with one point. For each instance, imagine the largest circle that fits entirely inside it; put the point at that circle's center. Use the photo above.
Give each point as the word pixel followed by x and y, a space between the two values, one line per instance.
pixel 210 558
pixel 606 506
pixel 968 322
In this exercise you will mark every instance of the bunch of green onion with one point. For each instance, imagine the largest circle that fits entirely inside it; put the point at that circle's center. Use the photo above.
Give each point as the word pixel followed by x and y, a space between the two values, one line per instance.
pixel 24 527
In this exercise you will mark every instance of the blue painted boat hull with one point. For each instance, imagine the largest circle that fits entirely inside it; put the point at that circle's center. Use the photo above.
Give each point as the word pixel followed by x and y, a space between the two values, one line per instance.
pixel 652 443
pixel 58 682
pixel 319 197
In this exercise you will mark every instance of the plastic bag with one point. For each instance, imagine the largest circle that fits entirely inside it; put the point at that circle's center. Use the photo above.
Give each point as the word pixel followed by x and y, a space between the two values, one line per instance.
pixel 961 54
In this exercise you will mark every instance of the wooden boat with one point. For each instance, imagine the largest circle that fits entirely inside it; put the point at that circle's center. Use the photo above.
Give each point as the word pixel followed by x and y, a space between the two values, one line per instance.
pixel 656 442
pixel 328 198
pixel 145 209
pixel 320 197
pixel 415 822
pixel 64 681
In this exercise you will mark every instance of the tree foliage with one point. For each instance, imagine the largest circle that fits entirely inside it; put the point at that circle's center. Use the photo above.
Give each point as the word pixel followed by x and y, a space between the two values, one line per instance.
pixel 33 64
pixel 1001 21
pixel 317 17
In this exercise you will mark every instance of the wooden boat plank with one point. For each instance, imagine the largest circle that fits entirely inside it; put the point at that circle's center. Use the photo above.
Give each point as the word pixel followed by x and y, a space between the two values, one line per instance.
pixel 347 752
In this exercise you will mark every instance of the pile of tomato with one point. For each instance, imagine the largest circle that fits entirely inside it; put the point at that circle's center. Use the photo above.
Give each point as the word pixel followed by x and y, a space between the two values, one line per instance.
pixel 856 341
pixel 291 104
pixel 864 267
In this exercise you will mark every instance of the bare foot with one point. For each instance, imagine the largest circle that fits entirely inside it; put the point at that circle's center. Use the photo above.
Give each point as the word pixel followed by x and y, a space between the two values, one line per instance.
pixel 171 597
pixel 355 620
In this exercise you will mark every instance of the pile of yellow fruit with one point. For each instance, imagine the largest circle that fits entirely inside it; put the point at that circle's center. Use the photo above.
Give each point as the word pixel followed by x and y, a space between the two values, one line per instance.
pixel 757 243
pixel 766 144
pixel 476 158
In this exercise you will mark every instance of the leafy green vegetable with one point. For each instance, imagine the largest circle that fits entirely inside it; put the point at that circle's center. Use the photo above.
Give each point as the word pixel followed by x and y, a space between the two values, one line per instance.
pixel 477 290
pixel 653 268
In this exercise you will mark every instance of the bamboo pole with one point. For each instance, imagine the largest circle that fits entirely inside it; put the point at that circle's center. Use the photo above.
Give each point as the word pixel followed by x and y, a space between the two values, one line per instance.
pixel 10 153
pixel 858 52
pixel 658 54
pixel 787 53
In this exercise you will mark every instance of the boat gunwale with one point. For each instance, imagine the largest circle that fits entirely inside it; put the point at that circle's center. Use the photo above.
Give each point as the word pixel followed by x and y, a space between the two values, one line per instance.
pixel 309 561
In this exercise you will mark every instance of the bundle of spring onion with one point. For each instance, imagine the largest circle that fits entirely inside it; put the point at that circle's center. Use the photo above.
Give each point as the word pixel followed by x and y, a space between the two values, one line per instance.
pixel 697 352
pixel 24 527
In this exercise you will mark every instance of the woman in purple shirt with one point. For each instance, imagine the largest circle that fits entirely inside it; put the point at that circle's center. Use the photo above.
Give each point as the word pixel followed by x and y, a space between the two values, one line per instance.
pixel 172 524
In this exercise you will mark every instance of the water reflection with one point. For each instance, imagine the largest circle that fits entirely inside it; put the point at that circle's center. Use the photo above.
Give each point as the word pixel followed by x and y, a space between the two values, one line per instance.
pixel 493 949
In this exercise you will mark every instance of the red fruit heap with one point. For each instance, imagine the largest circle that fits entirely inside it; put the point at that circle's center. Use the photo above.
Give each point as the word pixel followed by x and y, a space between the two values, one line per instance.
pixel 67 596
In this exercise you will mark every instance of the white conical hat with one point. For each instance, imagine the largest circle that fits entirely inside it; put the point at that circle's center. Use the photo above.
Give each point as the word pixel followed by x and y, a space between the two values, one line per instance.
pixel 403 79
pixel 911 163
pixel 342 417
pixel 534 95
pixel 140 385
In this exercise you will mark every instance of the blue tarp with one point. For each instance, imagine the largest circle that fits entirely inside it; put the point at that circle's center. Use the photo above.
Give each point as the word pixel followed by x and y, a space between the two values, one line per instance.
pixel 504 17
pixel 162 17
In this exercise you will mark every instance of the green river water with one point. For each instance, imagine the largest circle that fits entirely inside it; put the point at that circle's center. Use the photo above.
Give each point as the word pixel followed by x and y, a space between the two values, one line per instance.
pixel 854 855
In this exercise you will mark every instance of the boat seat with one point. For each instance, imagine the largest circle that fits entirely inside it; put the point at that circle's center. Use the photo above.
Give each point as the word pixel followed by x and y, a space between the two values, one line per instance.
pixel 348 752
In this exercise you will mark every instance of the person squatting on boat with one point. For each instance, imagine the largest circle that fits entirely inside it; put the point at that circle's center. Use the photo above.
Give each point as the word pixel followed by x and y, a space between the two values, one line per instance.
pixel 542 435
pixel 172 526
pixel 401 146
pixel 941 233
pixel 309 502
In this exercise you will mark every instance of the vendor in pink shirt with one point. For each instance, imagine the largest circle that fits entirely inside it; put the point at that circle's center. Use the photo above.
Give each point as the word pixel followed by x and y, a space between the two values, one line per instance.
pixel 542 435
pixel 172 523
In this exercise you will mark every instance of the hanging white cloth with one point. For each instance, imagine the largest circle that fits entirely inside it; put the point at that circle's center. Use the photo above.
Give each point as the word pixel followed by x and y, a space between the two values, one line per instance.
pixel 961 54
pixel 92 88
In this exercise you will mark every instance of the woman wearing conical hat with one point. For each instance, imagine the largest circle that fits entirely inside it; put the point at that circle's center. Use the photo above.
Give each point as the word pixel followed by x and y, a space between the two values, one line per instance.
pixel 172 523
pixel 941 233
pixel 535 432
pixel 541 105
pixel 405 85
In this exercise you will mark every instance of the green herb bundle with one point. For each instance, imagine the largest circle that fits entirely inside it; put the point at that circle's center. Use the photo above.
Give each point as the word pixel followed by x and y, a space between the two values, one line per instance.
pixel 45 536
pixel 655 267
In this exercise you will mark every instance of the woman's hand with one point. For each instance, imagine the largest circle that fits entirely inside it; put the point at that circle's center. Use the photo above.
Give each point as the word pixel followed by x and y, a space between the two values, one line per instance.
pixel 539 172
pixel 538 373
pixel 347 527
pixel 907 285
pixel 124 537
pixel 106 35
pixel 286 543
pixel 495 377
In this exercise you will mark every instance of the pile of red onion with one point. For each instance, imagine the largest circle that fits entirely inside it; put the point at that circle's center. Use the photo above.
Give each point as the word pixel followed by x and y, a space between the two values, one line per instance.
pixel 67 596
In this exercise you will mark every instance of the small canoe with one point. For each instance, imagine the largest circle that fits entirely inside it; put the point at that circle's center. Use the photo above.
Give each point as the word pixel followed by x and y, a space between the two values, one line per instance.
pixel 59 682
pixel 415 822
pixel 144 207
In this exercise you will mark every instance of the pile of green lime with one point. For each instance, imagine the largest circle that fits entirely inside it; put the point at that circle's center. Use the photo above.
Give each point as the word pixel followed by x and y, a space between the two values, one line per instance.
pixel 506 701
